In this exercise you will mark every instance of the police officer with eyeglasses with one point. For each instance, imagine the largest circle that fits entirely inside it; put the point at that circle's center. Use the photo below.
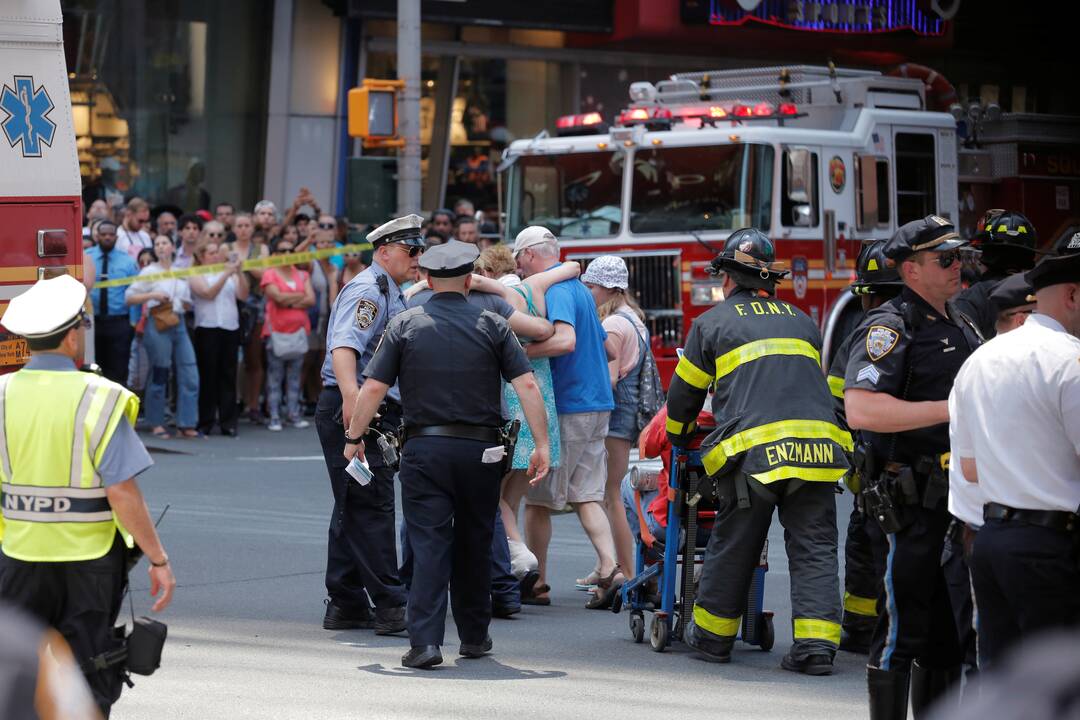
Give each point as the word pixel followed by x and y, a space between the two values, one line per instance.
pixel 896 392
pixel 362 547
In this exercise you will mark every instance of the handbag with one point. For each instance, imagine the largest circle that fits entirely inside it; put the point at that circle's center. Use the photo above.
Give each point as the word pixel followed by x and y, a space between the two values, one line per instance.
pixel 289 346
pixel 164 316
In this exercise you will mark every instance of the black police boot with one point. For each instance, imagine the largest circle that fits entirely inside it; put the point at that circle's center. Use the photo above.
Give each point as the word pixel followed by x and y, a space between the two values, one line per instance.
pixel 341 618
pixel 888 694
pixel 856 633
pixel 504 610
pixel 819 664
pixel 474 651
pixel 711 647
pixel 389 620
pixel 422 656
pixel 928 685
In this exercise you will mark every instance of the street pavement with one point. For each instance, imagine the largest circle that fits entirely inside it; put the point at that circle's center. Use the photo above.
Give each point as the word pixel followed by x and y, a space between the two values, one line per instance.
pixel 246 532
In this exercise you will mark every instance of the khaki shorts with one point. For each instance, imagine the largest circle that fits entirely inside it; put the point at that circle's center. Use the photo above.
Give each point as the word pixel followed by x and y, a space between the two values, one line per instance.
pixel 582 472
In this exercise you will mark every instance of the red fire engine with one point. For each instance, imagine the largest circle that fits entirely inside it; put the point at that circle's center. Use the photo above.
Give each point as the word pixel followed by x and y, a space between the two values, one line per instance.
pixel 819 158
pixel 40 213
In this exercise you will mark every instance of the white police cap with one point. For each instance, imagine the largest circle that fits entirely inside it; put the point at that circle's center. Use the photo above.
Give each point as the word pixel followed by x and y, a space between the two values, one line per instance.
pixel 46 308
pixel 403 230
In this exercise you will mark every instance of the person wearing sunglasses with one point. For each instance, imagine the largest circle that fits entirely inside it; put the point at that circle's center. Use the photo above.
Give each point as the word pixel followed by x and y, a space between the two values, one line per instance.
pixel 362 549
pixel 896 388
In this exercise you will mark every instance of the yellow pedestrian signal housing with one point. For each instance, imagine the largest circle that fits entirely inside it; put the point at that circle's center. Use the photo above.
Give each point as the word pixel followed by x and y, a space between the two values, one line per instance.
pixel 373 112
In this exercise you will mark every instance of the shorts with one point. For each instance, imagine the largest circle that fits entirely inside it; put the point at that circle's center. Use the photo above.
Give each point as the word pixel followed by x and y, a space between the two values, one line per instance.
pixel 623 422
pixel 582 473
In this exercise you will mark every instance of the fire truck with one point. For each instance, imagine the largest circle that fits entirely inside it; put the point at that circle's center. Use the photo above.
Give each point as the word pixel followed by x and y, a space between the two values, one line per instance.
pixel 40 205
pixel 819 158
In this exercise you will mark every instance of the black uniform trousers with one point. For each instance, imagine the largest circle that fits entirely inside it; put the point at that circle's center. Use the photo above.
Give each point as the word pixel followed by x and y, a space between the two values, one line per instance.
pixel 362 547
pixel 112 346
pixel 916 620
pixel 954 564
pixel 808 515
pixel 449 499
pixel 81 600
pixel 1027 578
pixel 864 566
pixel 216 351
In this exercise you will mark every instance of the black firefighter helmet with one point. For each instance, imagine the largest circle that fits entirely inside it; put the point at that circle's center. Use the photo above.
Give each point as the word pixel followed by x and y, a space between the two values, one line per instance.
pixel 1007 240
pixel 874 271
pixel 750 259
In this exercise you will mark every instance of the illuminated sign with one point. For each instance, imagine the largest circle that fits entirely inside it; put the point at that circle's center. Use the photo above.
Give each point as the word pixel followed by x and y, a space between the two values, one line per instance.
pixel 836 16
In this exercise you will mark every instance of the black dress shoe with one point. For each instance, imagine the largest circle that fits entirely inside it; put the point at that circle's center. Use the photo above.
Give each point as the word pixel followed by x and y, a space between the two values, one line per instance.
pixel 341 618
pixel 809 665
pixel 474 651
pixel 422 656
pixel 504 610
pixel 228 432
pixel 390 620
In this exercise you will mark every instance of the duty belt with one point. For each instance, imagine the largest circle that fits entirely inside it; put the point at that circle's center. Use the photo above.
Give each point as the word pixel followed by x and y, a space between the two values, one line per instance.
pixel 462 432
pixel 1053 519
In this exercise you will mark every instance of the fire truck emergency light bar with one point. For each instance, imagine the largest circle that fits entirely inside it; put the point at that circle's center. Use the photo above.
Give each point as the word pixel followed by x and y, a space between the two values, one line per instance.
pixel 583 124
pixel 592 123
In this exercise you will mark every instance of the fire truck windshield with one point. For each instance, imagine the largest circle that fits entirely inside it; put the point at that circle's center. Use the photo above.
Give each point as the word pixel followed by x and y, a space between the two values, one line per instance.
pixel 701 188
pixel 575 195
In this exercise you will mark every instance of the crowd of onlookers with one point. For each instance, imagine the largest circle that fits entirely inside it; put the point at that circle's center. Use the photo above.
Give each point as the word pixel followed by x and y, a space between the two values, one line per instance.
pixel 206 349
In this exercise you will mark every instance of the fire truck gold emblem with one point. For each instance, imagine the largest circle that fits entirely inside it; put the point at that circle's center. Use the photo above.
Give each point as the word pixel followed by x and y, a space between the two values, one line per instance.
pixel 837 174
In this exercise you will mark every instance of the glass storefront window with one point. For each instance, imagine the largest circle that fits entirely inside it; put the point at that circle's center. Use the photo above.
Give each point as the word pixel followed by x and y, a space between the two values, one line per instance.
pixel 169 99
pixel 701 188
pixel 575 196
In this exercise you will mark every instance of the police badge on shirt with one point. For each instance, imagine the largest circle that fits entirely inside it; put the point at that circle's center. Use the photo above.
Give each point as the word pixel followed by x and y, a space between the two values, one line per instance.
pixel 366 312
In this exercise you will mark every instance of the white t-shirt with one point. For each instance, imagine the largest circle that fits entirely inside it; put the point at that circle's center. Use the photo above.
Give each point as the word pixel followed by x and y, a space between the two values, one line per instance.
pixel 1015 409
pixel 221 312
pixel 175 288
pixel 966 499
pixel 132 242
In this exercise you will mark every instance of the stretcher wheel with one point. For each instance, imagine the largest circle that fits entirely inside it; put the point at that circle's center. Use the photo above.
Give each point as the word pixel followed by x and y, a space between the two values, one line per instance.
pixel 617 601
pixel 768 633
pixel 637 625
pixel 658 634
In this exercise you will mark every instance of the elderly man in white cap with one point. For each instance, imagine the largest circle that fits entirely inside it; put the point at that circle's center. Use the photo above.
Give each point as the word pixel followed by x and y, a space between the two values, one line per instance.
pixel 72 511
pixel 362 551
pixel 583 400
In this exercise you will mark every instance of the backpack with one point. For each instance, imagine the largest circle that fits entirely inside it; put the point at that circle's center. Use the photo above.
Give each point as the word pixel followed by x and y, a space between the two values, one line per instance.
pixel 651 396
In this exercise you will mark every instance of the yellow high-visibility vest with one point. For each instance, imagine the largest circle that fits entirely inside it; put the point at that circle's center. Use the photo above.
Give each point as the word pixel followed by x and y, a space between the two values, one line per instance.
pixel 54 428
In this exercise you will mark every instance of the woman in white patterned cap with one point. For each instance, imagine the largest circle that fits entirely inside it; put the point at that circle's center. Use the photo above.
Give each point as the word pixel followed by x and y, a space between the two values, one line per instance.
pixel 628 340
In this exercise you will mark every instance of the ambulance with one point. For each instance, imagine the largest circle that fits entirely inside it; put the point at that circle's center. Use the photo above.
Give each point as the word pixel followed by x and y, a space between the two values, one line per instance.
pixel 819 158
pixel 40 186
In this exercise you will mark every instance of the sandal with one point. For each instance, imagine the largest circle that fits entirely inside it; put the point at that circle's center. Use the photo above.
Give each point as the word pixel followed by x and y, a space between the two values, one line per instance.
pixel 537 595
pixel 606 589
pixel 588 582
pixel 191 434
pixel 161 433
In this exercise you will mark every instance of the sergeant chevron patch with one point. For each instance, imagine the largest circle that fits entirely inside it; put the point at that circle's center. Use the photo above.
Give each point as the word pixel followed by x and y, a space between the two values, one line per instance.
pixel 868 373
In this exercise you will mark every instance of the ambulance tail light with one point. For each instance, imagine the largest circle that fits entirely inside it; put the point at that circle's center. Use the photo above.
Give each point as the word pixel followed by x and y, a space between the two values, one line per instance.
pixel 583 124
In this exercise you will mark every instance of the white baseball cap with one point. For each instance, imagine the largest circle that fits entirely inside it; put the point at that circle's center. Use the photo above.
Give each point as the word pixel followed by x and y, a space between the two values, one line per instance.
pixel 532 235
pixel 48 307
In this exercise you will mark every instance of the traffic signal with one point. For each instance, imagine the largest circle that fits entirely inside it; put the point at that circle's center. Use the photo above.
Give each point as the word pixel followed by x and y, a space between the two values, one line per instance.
pixel 373 112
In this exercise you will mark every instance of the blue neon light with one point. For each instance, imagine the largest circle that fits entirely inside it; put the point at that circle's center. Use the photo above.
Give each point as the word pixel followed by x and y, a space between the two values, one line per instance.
pixel 837 16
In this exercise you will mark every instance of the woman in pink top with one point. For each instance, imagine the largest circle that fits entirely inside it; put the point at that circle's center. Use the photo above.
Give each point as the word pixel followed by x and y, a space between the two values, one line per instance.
pixel 628 340
pixel 288 296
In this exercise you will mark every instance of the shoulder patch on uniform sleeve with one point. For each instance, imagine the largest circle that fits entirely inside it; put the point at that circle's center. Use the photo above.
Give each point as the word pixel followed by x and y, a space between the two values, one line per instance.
pixel 880 340
pixel 366 312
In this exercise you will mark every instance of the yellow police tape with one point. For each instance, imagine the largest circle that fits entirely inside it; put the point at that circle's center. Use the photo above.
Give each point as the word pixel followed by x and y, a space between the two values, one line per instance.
pixel 251 264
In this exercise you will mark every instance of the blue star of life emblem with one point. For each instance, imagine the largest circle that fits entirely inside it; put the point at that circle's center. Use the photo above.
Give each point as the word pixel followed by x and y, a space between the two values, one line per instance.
pixel 27 120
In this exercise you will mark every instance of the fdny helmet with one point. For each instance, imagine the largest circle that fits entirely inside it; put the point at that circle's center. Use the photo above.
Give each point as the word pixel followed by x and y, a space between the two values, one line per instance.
pixel 750 258
pixel 873 270
pixel 1007 239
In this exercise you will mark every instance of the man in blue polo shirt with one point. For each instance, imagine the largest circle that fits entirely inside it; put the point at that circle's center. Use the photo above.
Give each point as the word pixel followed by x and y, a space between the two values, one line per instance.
pixel 583 399
pixel 112 318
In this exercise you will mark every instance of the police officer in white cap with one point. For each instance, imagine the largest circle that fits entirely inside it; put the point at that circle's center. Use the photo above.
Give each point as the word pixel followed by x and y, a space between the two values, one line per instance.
pixel 72 511
pixel 362 551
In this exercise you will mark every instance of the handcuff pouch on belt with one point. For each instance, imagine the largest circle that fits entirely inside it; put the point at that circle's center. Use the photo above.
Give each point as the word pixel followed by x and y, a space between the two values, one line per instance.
pixel 509 440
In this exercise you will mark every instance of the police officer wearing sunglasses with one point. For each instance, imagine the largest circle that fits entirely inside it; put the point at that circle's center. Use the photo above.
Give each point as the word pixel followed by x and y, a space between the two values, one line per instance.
pixel 362 551
pixel 896 391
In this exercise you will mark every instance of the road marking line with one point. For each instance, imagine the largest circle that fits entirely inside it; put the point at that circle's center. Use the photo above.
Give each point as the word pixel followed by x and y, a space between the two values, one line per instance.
pixel 282 458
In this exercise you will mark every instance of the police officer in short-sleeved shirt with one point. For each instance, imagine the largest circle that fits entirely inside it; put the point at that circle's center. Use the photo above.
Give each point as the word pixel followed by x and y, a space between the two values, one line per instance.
pixel 362 550
pixel 450 357
pixel 896 390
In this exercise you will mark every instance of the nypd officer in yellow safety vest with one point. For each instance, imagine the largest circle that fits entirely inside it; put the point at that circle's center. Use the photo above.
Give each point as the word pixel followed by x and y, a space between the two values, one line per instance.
pixel 777 444
pixel 72 510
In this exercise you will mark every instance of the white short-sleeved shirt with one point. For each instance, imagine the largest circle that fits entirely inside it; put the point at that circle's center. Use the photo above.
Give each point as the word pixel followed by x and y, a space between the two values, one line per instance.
pixel 221 312
pixel 1017 413
pixel 132 242
pixel 175 288
pixel 966 499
